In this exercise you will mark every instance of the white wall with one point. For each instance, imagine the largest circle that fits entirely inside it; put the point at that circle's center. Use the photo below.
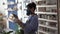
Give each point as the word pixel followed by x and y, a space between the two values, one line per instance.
pixel 3 7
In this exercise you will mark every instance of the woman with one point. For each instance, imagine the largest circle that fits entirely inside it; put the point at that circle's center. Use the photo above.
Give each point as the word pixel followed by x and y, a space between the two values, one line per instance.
pixel 31 25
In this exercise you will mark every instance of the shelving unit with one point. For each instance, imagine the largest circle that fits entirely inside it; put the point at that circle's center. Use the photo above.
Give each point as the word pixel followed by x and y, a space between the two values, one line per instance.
pixel 47 16
pixel 50 13
pixel 54 28
pixel 2 22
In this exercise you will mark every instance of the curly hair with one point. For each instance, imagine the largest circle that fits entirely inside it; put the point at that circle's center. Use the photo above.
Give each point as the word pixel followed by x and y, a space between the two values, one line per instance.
pixel 31 5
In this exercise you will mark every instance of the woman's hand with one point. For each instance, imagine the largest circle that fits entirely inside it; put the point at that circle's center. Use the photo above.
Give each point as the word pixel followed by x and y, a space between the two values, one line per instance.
pixel 19 22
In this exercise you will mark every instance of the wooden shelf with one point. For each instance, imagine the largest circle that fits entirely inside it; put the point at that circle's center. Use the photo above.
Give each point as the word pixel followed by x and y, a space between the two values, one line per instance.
pixel 42 31
pixel 50 13
pixel 54 28
pixel 47 20
pixel 46 6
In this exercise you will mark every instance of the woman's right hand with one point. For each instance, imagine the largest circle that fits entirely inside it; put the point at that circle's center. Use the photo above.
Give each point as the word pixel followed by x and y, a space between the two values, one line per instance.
pixel 19 22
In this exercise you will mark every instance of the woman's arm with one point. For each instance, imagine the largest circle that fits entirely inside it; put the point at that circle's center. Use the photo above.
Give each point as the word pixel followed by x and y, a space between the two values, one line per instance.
pixel 19 22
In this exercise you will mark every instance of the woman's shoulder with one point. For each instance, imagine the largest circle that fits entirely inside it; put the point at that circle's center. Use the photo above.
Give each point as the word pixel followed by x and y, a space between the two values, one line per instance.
pixel 35 16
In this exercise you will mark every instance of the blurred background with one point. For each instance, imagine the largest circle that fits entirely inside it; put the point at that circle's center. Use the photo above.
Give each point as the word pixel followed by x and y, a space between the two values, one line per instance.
pixel 48 12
